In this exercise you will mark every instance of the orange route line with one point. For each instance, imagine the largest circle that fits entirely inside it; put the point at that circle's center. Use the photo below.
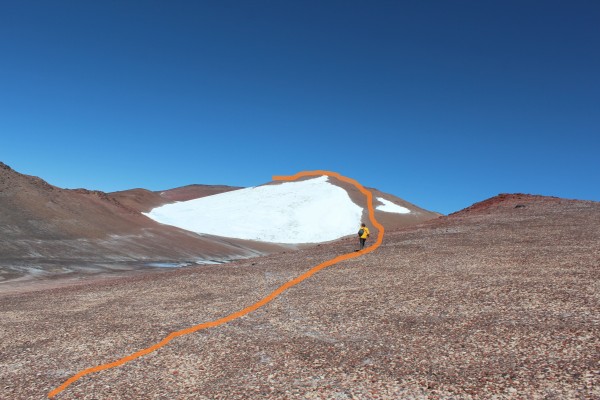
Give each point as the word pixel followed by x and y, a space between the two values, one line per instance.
pixel 258 304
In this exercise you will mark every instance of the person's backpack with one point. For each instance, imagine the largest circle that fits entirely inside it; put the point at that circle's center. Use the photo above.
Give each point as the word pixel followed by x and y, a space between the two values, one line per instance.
pixel 361 232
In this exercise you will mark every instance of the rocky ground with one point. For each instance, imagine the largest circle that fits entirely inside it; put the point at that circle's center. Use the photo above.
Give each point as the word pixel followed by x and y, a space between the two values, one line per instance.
pixel 498 301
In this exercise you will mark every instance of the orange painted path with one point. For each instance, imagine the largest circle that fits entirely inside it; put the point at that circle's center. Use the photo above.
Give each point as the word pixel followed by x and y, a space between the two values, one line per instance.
pixel 259 303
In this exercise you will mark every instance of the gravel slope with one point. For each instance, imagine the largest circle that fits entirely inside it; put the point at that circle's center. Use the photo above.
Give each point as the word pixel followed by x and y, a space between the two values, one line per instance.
pixel 500 301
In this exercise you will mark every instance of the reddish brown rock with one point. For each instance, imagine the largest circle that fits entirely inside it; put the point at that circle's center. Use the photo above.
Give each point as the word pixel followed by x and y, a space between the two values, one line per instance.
pixel 499 302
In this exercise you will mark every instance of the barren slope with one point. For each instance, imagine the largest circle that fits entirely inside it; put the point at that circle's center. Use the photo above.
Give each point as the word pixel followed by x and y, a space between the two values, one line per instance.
pixel 47 231
pixel 498 300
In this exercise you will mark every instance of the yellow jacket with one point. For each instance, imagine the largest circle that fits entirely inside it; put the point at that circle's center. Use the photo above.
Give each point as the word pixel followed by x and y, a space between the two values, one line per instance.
pixel 365 232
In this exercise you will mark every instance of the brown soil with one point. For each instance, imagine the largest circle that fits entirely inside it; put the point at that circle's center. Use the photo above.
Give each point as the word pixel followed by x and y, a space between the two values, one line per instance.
pixel 496 302
pixel 49 232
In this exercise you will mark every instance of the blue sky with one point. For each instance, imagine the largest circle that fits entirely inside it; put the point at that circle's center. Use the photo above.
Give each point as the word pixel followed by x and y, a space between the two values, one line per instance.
pixel 443 103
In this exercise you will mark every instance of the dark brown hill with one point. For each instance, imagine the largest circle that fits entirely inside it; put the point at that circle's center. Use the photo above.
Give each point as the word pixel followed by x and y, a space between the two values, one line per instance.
pixel 47 230
pixel 506 200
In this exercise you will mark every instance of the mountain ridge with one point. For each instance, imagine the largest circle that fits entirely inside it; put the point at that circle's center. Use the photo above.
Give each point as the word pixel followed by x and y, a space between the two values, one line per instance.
pixel 49 231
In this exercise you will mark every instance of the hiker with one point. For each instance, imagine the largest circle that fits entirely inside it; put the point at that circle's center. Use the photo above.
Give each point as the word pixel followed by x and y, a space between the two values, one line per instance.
pixel 363 234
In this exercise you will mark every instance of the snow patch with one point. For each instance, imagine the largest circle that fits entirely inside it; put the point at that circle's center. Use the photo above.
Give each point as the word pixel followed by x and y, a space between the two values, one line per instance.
pixel 391 207
pixel 309 211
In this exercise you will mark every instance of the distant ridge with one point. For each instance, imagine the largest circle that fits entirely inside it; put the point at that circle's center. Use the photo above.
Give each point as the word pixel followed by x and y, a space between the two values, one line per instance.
pixel 318 209
pixel 48 231
pixel 506 200
pixel 143 200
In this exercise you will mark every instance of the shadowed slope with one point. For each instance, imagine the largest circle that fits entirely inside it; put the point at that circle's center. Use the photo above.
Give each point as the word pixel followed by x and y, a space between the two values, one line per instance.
pixel 47 231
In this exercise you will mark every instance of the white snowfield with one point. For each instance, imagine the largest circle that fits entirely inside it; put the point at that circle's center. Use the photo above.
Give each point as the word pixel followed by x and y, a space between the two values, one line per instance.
pixel 309 211
pixel 391 207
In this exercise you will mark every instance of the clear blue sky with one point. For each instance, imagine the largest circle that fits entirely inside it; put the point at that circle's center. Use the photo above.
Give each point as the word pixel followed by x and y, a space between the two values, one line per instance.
pixel 443 103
